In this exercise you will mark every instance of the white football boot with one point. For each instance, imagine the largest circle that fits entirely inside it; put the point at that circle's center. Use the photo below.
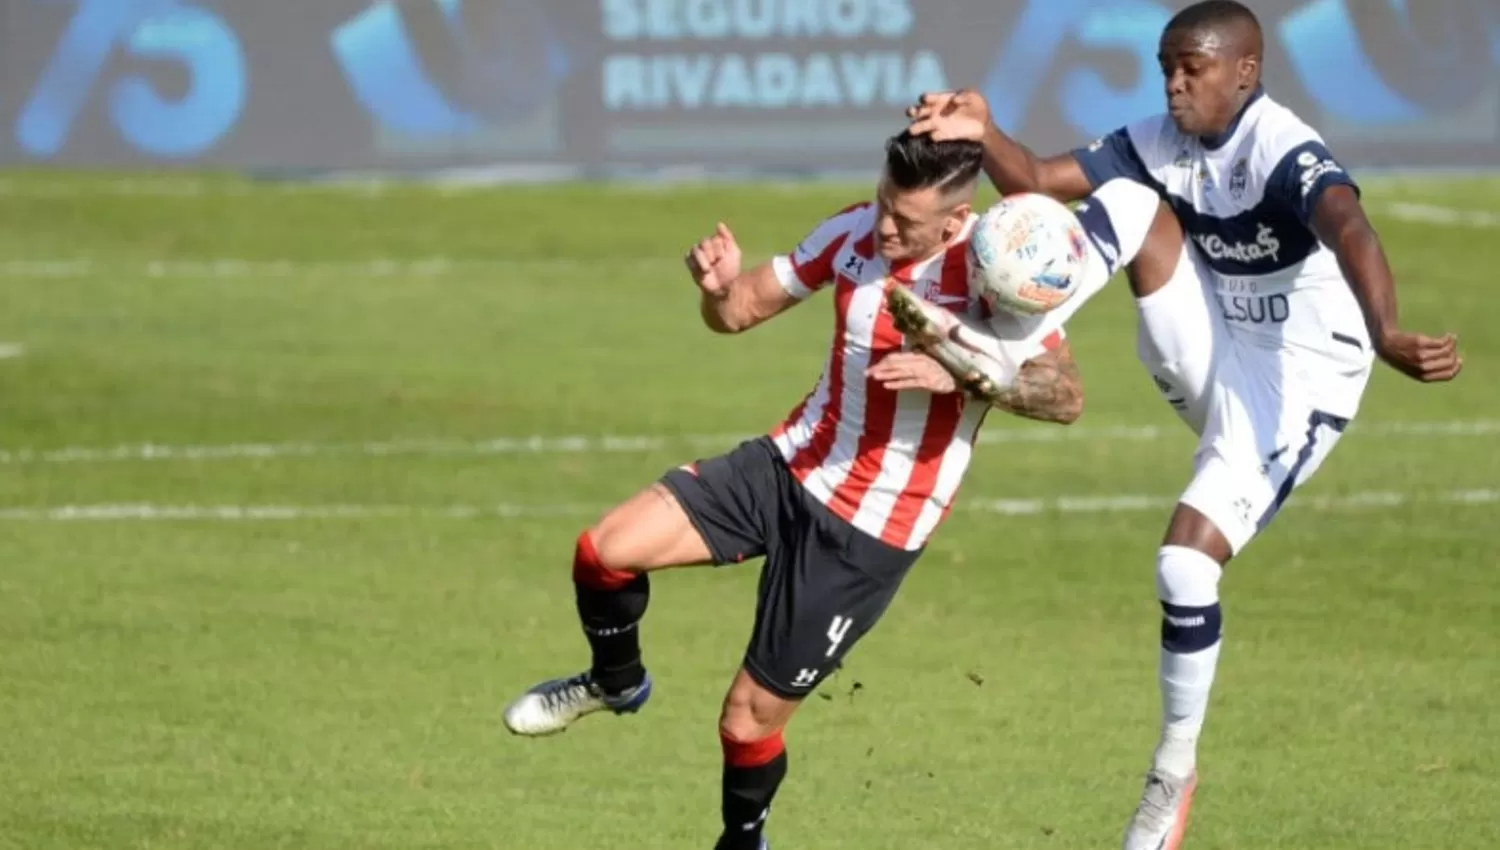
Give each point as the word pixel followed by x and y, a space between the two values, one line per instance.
pixel 552 706
pixel 1161 819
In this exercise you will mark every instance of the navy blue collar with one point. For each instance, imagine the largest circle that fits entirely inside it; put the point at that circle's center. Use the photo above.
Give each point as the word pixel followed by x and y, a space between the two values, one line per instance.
pixel 1215 142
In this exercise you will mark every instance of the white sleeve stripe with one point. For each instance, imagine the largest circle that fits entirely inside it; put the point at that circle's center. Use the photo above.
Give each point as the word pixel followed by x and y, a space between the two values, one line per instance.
pixel 786 274
pixel 1131 208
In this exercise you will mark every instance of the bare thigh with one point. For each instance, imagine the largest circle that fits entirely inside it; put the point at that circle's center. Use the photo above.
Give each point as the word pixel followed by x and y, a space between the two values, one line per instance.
pixel 649 531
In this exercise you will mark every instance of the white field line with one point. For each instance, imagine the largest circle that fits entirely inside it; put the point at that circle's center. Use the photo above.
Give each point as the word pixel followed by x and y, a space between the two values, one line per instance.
pixel 1109 504
pixel 188 187
pixel 545 445
pixel 458 181
pixel 11 350
pixel 233 268
pixel 228 268
pixel 1448 216
pixel 369 187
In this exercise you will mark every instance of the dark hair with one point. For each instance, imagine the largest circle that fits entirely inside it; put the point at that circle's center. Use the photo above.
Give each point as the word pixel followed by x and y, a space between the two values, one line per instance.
pixel 918 162
pixel 1212 13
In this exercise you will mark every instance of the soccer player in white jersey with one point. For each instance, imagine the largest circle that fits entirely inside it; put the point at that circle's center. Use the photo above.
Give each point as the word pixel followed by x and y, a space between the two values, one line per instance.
pixel 841 497
pixel 1260 327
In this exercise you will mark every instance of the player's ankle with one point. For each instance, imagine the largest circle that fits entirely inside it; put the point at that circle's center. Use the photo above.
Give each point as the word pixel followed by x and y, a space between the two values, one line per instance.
pixel 618 681
pixel 1176 753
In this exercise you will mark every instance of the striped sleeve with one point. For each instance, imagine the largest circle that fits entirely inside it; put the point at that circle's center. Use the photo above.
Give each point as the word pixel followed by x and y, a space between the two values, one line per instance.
pixel 809 267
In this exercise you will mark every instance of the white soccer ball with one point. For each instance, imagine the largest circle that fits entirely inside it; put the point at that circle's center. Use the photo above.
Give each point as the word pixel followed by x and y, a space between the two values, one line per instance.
pixel 1027 254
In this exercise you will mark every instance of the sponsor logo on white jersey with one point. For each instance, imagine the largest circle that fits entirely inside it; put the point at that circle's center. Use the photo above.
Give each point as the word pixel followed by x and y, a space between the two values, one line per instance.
pixel 1265 247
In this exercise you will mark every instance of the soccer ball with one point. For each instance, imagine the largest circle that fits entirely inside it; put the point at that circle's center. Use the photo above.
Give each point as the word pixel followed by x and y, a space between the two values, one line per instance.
pixel 1027 254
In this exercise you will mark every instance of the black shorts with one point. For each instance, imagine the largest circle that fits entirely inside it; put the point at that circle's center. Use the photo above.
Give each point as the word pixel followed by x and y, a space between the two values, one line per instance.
pixel 824 583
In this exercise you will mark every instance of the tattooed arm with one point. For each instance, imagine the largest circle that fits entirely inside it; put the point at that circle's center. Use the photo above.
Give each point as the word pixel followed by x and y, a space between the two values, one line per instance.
pixel 1047 388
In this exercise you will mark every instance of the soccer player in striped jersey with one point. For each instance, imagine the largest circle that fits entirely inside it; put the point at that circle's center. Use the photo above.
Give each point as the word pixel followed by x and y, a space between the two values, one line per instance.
pixel 841 497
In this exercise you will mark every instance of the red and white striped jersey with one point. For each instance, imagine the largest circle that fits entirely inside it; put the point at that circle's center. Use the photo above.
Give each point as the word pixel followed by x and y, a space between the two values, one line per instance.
pixel 888 462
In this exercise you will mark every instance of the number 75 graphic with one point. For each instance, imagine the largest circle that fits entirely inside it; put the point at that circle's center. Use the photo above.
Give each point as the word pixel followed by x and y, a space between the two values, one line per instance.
pixel 164 30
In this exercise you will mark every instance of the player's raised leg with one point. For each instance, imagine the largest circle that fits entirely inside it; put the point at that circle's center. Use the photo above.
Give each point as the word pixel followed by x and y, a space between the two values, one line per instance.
pixel 611 589
pixel 710 512
pixel 1178 327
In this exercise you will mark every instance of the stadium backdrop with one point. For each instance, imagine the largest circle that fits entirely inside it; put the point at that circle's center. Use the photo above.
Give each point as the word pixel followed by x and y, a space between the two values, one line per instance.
pixel 725 84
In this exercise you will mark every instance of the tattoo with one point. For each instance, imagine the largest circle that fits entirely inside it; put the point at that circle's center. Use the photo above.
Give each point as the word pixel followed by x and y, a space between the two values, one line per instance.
pixel 1047 388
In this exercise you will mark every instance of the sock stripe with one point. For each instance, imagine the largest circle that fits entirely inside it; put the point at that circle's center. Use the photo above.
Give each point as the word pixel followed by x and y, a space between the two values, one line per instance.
pixel 589 571
pixel 1190 628
pixel 752 753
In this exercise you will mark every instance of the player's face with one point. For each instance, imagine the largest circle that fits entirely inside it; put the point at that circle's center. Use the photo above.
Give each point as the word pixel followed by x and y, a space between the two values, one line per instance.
pixel 914 224
pixel 1203 80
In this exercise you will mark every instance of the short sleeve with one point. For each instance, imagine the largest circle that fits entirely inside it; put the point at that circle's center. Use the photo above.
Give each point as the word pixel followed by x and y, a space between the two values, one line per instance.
pixel 1111 157
pixel 809 267
pixel 1301 177
pixel 1117 218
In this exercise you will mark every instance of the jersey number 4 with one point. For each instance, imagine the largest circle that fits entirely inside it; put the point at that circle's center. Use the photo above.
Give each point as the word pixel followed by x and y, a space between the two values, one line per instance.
pixel 836 632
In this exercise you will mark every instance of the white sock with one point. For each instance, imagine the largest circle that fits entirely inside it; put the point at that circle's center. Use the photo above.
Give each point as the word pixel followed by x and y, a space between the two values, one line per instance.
pixel 1175 342
pixel 1188 586
pixel 1186 679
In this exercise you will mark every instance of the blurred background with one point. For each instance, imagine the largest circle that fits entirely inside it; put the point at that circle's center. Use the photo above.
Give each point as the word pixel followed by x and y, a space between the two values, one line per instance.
pixel 326 325
pixel 572 86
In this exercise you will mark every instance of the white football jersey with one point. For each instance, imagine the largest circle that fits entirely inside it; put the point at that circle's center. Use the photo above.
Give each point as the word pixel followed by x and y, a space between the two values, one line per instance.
pixel 1245 200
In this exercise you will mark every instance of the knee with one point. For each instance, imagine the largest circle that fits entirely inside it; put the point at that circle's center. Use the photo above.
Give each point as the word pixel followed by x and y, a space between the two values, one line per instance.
pixel 597 561
pixel 749 715
pixel 1186 576
pixel 1160 255
pixel 1190 529
pixel 646 531
pixel 615 540
pixel 1187 583
pixel 604 544
pixel 741 751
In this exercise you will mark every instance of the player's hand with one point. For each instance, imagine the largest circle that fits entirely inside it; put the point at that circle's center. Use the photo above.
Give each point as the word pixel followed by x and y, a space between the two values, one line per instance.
pixel 945 115
pixel 1423 358
pixel 715 261
pixel 912 370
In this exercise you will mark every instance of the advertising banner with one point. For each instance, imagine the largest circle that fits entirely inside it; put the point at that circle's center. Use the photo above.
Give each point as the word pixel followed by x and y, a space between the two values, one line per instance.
pixel 759 84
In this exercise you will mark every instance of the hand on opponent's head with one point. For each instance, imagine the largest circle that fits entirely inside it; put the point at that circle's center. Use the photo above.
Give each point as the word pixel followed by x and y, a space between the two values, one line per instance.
pixel 945 115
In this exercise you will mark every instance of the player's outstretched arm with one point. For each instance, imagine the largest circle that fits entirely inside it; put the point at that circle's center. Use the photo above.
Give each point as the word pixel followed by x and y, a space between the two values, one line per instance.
pixel 1047 388
pixel 734 300
pixel 1010 165
pixel 1340 223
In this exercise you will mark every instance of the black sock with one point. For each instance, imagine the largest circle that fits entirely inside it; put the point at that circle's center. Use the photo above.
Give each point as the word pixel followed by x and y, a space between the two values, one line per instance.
pixel 611 621
pixel 747 802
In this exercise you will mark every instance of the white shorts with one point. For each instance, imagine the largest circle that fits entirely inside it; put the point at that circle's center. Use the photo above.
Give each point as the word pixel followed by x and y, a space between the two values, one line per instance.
pixel 1261 431
pixel 1264 436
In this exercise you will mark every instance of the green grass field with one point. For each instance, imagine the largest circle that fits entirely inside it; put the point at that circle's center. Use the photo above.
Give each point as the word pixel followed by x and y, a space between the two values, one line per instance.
pixel 279 546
